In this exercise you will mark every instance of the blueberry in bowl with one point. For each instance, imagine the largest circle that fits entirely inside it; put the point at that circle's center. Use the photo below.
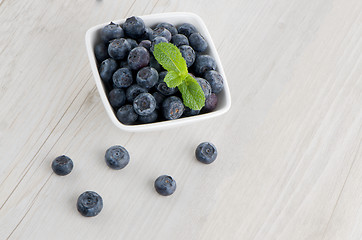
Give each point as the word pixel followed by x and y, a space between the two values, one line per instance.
pixel 125 65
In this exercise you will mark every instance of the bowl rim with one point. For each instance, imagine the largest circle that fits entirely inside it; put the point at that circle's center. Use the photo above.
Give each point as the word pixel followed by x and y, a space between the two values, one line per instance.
pixel 163 124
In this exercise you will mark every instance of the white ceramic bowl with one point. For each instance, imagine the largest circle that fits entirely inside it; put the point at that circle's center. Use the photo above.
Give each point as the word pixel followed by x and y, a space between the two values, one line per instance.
pixel 176 18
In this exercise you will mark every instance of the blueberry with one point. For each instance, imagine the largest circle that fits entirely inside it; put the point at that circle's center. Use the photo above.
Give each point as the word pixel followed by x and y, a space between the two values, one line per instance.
pixel 198 42
pixel 157 40
pixel 172 107
pixel 122 78
pixel 138 58
pixel 159 99
pixel 162 87
pixel 107 68
pixel 204 63
pixel 119 48
pixel 117 97
pixel 155 64
pixel 210 103
pixel 188 54
pixel 89 204
pixel 205 86
pixel 146 44
pixel 186 29
pixel 147 35
pixel 216 80
pixel 147 77
pixel 133 91
pixel 206 152
pixel 123 64
pixel 161 76
pixel 117 157
pixel 161 32
pixel 179 39
pixel 101 52
pixel 134 27
pixel 150 118
pixel 165 185
pixel 133 43
pixel 190 112
pixel 168 26
pixel 110 32
pixel 144 104
pixel 126 114
pixel 62 165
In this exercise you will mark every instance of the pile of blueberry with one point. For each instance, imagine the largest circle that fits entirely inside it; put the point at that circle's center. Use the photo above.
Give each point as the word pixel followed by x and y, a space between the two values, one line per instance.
pixel 134 79
pixel 90 204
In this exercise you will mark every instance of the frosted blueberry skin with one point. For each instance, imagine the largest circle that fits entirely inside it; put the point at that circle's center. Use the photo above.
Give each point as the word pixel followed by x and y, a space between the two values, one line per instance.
pixel 147 77
pixel 134 27
pixel 117 97
pixel 205 86
pixel 101 52
pixel 119 48
pixel 186 29
pixel 179 39
pixel 117 157
pixel 107 68
pixel 150 118
pixel 203 63
pixel 122 78
pixel 165 185
pixel 138 58
pixel 169 27
pixel 144 104
pixel 126 114
pixel 89 204
pixel 198 42
pixel 110 32
pixel 188 54
pixel 206 152
pixel 133 91
pixel 210 103
pixel 161 32
pixel 173 108
pixel 216 80
pixel 62 165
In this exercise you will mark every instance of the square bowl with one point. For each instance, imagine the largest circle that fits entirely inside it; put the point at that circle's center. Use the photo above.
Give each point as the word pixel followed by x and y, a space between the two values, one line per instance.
pixel 176 18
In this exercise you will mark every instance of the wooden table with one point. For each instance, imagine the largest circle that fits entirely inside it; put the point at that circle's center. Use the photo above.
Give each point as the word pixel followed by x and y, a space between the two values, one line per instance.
pixel 290 155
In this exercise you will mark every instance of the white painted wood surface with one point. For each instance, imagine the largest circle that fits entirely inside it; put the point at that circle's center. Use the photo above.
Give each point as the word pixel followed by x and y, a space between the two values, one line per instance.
pixel 290 155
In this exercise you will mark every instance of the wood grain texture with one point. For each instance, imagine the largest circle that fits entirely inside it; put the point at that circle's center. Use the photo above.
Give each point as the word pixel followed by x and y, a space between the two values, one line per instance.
pixel 290 149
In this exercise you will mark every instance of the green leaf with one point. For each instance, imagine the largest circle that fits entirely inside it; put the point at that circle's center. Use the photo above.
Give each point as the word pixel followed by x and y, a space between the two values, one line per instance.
pixel 173 79
pixel 192 94
pixel 169 56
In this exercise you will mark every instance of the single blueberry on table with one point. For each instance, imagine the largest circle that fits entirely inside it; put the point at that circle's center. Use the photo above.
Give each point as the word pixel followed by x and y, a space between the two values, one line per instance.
pixel 133 43
pixel 133 91
pixel 107 68
pixel 138 58
pixel 210 103
pixel 62 165
pixel 126 114
pixel 156 41
pixel 134 27
pixel 172 108
pixel 119 48
pixel 144 104
pixel 117 157
pixel 205 86
pixel 159 99
pixel 89 204
pixel 188 54
pixel 161 32
pixel 122 78
pixel 206 152
pixel 168 26
pixel 101 52
pixel 198 42
pixel 147 77
pixel 204 63
pixel 215 79
pixel 146 44
pixel 179 39
pixel 150 118
pixel 165 185
pixel 186 29
pixel 117 97
pixel 110 32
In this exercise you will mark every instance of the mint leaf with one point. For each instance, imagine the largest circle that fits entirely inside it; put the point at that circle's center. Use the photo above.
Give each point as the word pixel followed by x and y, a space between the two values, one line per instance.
pixel 173 79
pixel 169 56
pixel 192 94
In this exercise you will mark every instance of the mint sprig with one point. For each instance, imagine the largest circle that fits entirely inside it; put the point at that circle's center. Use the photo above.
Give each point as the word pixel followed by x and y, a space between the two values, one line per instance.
pixel 170 57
